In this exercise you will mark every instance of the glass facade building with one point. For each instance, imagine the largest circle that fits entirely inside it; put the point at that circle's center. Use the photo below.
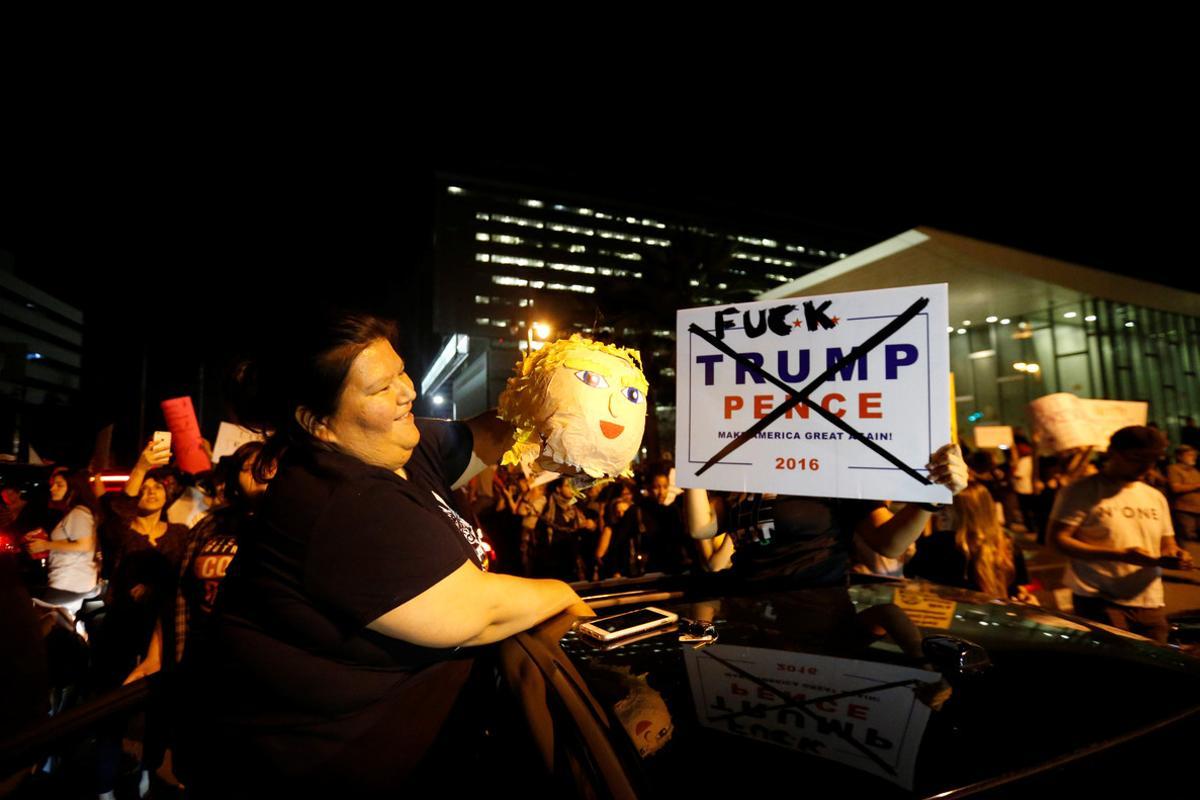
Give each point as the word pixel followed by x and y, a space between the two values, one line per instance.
pixel 1092 348
pixel 1023 326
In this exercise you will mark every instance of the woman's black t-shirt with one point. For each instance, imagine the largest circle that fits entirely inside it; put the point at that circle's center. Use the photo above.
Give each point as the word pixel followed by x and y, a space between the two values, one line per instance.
pixel 296 683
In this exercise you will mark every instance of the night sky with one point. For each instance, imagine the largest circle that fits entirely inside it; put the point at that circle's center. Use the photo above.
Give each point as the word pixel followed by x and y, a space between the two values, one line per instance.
pixel 194 254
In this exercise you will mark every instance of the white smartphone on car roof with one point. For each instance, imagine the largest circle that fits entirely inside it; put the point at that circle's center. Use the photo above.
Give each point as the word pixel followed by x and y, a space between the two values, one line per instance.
pixel 618 626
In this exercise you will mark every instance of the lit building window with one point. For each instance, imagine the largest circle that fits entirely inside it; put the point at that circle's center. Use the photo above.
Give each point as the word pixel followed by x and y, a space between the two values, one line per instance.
pixel 667 372
pixel 658 242
pixel 502 239
pixel 484 257
pixel 574 287
pixel 500 323
pixel 622 236
pixel 482 237
pixel 523 302
pixel 454 189
pixel 508 280
pixel 517 261
pixel 693 282
pixel 665 333
pixel 747 256
pixel 576 248
pixel 620 254
pixel 481 216
pixel 587 212
pixel 533 203
pixel 482 320
pixel 572 268
pixel 602 215
pixel 521 221
pixel 619 273
pixel 770 243
pixel 480 300
pixel 555 226
pixel 780 278
pixel 796 248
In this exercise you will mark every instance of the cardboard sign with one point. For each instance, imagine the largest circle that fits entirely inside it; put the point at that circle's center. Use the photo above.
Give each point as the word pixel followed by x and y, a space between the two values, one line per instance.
pixel 994 436
pixel 871 720
pixel 838 395
pixel 1063 421
pixel 925 610
pixel 185 434
pixel 230 437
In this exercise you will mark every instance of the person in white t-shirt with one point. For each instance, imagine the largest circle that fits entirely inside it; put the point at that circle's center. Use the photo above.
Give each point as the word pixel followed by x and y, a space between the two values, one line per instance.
pixel 73 570
pixel 1117 533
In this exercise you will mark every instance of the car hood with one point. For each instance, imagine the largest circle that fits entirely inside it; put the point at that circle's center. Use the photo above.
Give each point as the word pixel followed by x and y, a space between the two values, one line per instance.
pixel 900 688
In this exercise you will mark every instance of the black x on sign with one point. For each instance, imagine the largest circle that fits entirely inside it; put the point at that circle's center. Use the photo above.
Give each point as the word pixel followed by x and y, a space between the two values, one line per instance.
pixel 841 395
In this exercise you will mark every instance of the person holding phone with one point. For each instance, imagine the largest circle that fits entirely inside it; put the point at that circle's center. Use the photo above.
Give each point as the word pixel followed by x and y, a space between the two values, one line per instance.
pixel 344 628
pixel 73 571
pixel 1116 531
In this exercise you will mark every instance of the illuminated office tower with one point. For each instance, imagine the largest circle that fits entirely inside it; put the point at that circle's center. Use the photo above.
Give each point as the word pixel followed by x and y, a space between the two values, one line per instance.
pixel 507 257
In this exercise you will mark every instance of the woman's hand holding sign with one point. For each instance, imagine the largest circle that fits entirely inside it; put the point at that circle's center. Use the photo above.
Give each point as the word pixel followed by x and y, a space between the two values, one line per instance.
pixel 947 468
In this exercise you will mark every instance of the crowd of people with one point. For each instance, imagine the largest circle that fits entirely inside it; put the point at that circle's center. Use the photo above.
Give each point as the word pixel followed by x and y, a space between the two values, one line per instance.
pixel 328 583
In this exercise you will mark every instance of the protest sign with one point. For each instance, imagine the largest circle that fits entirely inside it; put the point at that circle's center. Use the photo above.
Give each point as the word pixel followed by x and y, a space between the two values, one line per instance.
pixel 1063 421
pixel 924 609
pixel 863 714
pixel 994 436
pixel 230 437
pixel 185 434
pixel 837 395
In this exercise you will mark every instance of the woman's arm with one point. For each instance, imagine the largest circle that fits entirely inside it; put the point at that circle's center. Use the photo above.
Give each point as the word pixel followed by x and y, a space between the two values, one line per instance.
pixel 890 534
pixel 152 663
pixel 702 523
pixel 156 454
pixel 469 607
pixel 603 544
pixel 84 544
pixel 718 553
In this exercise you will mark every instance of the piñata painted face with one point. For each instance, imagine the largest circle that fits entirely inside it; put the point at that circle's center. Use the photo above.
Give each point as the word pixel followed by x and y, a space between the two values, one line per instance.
pixel 578 404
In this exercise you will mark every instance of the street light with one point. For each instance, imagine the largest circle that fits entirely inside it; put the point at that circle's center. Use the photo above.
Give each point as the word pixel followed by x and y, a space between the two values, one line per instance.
pixel 542 330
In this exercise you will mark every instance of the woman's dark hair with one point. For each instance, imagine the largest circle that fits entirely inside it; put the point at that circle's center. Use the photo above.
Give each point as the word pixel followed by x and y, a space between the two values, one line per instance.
pixel 161 476
pixel 229 470
pixel 307 371
pixel 79 493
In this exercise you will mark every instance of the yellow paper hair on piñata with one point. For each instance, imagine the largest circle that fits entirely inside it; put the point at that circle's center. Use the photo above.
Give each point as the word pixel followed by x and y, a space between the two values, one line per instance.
pixel 577 403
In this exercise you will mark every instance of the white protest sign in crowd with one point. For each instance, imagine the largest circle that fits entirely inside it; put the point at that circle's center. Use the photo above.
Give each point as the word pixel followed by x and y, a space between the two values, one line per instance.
pixel 230 437
pixel 994 436
pixel 873 368
pixel 1063 421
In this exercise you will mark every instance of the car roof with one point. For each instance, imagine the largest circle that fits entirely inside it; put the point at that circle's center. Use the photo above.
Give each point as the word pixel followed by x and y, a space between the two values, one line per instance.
pixel 899 688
